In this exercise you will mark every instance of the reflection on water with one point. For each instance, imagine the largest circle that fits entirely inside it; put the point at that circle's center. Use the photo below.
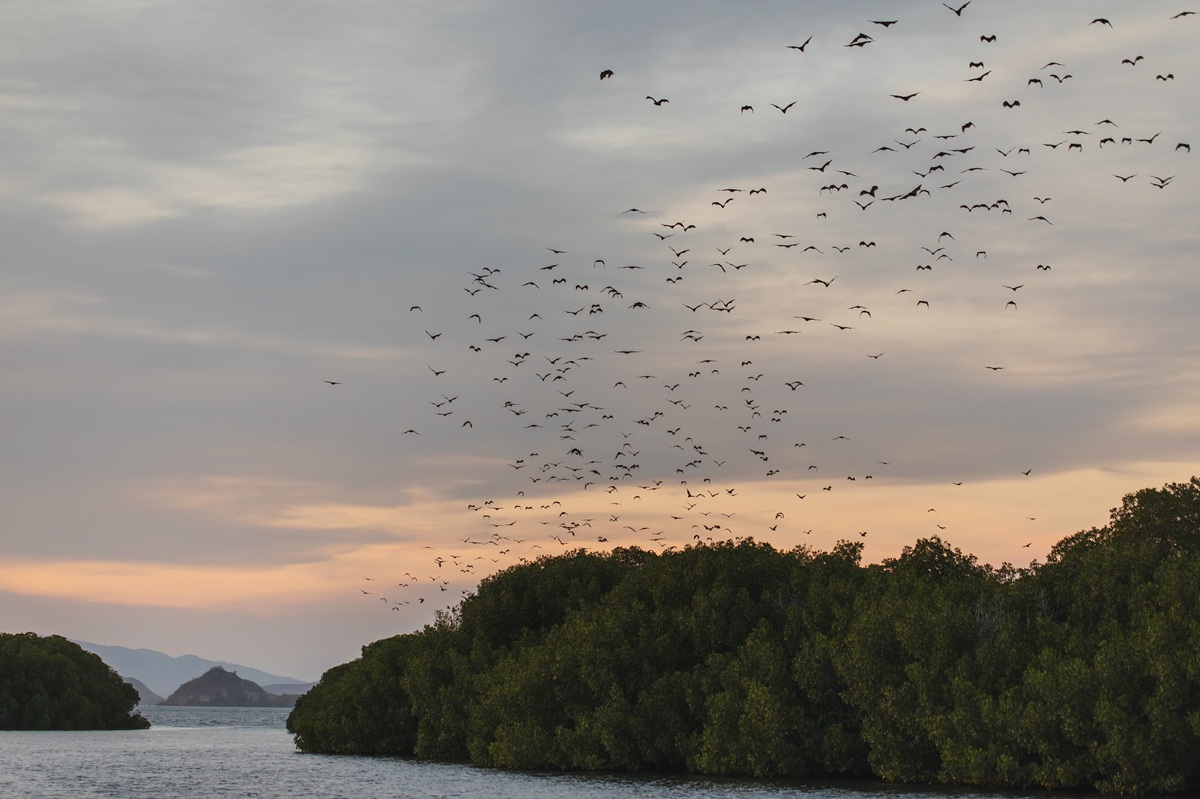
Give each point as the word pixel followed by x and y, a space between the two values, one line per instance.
pixel 183 717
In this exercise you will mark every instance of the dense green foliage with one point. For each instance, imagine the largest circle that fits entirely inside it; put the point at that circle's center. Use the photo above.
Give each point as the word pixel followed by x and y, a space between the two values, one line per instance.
pixel 53 684
pixel 735 658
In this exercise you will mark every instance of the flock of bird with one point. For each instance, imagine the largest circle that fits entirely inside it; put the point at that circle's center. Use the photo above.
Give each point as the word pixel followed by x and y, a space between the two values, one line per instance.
pixel 704 433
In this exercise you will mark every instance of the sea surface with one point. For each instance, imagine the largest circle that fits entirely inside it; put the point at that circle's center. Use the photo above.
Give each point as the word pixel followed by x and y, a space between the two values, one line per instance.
pixel 247 752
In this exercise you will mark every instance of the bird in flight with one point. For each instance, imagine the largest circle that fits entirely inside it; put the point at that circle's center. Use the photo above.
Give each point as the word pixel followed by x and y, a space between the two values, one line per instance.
pixel 608 73
pixel 657 102
pixel 958 11
pixel 332 382
pixel 800 47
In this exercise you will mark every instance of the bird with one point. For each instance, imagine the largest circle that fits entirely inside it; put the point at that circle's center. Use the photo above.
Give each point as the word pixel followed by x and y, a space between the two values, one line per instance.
pixel 604 75
pixel 332 382
pixel 784 109
pixel 800 47
pixel 907 97
pixel 958 11
pixel 657 102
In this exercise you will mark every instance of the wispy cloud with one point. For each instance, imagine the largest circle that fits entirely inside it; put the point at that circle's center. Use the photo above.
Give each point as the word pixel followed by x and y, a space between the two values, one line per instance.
pixel 31 314
pixel 211 209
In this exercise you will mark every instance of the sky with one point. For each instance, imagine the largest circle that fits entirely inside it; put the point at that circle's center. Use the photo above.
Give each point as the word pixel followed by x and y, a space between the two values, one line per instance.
pixel 314 315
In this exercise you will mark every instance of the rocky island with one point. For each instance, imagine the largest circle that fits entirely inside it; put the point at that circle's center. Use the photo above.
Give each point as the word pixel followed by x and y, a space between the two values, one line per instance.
pixel 220 688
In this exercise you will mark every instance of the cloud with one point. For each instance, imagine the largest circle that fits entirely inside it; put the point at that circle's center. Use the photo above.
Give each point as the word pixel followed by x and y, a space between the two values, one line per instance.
pixel 212 209
pixel 259 179
pixel 30 314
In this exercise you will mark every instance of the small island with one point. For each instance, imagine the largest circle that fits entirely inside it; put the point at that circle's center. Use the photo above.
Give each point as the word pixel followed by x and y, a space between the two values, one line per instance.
pixel 220 688
pixel 734 658
pixel 50 683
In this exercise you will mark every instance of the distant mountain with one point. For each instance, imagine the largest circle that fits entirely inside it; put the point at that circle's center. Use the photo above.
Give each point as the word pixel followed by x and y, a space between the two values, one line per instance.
pixel 289 688
pixel 163 673
pixel 220 688
pixel 145 695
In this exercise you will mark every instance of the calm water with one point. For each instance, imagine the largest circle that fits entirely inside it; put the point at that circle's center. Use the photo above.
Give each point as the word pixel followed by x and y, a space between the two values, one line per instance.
pixel 244 752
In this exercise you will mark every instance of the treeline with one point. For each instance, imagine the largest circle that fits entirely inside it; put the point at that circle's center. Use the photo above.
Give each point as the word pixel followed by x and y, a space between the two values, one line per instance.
pixel 51 683
pixel 738 659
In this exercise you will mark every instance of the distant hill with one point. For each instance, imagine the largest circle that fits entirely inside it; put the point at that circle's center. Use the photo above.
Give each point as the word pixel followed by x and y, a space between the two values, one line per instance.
pixel 289 688
pixel 145 695
pixel 220 688
pixel 162 673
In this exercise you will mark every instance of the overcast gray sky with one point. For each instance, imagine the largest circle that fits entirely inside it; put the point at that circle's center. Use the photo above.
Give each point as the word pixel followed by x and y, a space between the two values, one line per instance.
pixel 210 209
